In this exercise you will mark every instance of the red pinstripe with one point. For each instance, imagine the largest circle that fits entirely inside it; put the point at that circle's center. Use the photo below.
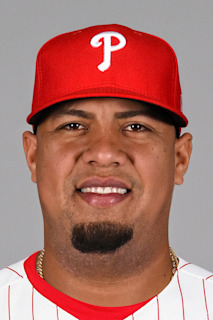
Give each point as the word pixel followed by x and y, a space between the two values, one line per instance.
pixel 15 272
pixel 158 308
pixel 133 317
pixel 57 312
pixel 9 302
pixel 33 304
pixel 184 265
pixel 204 290
pixel 181 294
pixel 209 277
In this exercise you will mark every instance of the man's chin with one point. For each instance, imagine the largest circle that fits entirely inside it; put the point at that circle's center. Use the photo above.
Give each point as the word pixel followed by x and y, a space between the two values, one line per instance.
pixel 100 237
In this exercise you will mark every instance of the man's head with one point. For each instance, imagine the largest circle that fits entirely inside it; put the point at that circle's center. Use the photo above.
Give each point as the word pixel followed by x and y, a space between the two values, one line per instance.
pixel 106 164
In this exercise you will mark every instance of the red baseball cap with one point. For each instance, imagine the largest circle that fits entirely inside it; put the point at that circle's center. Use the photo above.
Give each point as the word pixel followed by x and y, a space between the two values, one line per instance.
pixel 107 61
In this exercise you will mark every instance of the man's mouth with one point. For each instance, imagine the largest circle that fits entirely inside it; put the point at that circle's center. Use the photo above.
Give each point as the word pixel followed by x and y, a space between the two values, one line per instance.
pixel 102 193
pixel 104 190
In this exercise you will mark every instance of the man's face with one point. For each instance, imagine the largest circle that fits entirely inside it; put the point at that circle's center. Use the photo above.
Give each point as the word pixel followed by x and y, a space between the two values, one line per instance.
pixel 105 170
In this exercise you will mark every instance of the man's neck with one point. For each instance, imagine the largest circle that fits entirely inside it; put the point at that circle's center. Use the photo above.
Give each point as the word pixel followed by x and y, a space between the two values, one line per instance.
pixel 107 285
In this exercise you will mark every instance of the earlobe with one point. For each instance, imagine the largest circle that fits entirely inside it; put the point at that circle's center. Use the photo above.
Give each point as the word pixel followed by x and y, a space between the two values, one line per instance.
pixel 30 149
pixel 183 149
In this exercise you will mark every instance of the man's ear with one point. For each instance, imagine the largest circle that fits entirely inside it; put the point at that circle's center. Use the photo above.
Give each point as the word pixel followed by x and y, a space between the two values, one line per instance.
pixel 183 149
pixel 30 149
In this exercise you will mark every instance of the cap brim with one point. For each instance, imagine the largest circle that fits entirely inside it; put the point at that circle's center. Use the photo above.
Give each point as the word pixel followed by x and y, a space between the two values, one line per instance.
pixel 177 116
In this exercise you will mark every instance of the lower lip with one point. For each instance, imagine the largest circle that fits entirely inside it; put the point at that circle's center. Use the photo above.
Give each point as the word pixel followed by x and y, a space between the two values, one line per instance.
pixel 103 200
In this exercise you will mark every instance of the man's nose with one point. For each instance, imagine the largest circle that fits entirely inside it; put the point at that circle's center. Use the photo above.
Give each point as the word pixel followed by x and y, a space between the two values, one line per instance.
pixel 105 151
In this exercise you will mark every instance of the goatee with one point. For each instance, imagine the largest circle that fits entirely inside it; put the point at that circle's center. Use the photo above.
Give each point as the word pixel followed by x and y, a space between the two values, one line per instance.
pixel 100 237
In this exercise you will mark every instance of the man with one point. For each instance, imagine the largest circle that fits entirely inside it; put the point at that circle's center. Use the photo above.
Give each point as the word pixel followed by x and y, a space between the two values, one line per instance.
pixel 106 153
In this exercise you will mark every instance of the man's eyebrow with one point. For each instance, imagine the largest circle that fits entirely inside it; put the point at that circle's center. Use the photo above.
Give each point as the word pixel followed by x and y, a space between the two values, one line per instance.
pixel 77 113
pixel 118 115
pixel 133 113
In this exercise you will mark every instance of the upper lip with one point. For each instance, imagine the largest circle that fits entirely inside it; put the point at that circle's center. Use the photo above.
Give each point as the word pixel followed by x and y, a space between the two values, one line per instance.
pixel 101 182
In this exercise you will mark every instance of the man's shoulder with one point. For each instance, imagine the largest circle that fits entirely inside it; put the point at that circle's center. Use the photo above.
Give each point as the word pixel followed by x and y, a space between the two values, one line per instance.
pixel 194 285
pixel 12 274
pixel 193 271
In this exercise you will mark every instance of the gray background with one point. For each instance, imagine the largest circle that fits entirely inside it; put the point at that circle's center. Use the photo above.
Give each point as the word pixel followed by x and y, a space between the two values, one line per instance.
pixel 24 26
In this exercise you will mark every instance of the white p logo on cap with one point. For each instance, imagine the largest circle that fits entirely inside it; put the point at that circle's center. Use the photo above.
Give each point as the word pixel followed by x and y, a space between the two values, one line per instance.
pixel 108 48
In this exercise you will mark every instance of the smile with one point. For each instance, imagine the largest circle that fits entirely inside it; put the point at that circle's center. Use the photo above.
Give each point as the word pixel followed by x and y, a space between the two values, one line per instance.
pixel 104 190
pixel 103 193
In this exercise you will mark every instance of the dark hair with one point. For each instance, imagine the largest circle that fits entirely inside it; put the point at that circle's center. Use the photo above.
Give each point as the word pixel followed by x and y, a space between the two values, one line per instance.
pixel 42 115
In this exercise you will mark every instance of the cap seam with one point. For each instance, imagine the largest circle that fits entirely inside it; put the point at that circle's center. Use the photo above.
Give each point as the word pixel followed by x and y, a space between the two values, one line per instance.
pixel 101 85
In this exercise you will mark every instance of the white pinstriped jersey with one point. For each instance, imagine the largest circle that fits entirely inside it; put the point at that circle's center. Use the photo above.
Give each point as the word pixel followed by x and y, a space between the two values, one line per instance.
pixel 189 296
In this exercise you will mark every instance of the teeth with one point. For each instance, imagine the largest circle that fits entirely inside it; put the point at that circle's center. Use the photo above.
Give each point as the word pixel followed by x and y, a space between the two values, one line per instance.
pixel 104 190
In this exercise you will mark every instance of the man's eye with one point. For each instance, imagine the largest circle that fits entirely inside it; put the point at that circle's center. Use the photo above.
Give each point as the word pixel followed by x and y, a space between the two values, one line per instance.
pixel 135 127
pixel 73 126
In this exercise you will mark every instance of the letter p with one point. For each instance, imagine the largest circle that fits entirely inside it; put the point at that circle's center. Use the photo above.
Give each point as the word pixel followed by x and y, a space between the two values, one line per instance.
pixel 108 48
